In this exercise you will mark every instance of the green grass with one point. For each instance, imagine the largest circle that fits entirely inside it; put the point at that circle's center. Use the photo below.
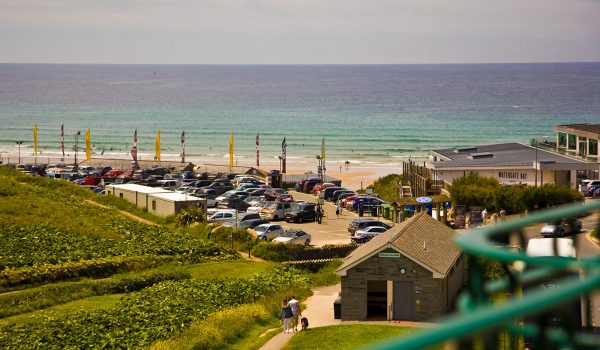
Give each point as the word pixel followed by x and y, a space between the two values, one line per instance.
pixel 104 302
pixel 356 336
pixel 228 269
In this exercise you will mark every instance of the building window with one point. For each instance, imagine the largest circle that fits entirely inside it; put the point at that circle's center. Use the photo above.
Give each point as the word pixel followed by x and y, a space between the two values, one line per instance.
pixel 153 205
pixel 562 139
pixel 572 142
pixel 593 148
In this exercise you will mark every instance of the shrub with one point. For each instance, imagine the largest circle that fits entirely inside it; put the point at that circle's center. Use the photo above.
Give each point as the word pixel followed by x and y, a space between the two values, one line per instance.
pixel 189 216
pixel 387 187
pixel 276 251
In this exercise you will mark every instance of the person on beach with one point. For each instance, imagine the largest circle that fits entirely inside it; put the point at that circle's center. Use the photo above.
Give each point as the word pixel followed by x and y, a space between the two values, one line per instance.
pixel 295 307
pixel 286 315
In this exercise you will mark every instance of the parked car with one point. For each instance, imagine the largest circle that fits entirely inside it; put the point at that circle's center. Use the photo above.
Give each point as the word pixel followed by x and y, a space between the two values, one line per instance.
pixel 220 186
pixel 562 227
pixel 343 196
pixel 327 193
pixel 276 210
pixel 294 237
pixel 589 192
pixel 366 234
pixel 235 201
pixel 585 184
pixel 308 185
pixel 267 231
pixel 169 184
pixel 247 186
pixel 367 203
pixel 364 223
pixel 336 195
pixel 301 212
pixel 250 223
pixel 202 183
pixel 222 216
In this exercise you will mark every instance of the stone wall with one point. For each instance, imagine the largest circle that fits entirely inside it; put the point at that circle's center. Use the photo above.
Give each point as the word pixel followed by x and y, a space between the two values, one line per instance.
pixel 431 293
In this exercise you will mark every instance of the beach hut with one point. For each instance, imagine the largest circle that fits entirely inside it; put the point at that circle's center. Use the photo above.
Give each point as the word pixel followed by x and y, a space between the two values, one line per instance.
pixel 412 272
pixel 165 204
pixel 134 193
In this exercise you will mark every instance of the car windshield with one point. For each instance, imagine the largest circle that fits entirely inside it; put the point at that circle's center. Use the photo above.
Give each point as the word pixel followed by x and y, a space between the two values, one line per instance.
pixel 261 228
pixel 272 205
pixel 288 234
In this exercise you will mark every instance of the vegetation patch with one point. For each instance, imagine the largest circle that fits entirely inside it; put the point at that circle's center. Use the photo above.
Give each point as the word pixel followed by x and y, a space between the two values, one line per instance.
pixel 359 336
pixel 59 293
pixel 143 317
pixel 386 187
pixel 487 192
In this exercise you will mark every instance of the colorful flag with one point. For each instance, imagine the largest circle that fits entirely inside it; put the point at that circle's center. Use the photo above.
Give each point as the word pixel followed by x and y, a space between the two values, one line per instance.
pixel 283 155
pixel 257 150
pixel 231 149
pixel 323 149
pixel 62 139
pixel 157 146
pixel 35 146
pixel 88 146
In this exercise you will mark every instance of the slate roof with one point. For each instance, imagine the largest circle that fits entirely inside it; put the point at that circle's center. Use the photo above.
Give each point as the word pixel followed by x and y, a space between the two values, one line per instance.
pixel 421 238
pixel 504 155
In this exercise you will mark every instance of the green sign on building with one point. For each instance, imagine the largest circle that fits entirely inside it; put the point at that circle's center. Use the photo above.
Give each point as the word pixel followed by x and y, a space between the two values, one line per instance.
pixel 390 255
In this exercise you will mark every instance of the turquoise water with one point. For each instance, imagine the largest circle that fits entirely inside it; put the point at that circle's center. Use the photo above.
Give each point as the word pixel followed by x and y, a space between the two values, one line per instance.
pixel 380 113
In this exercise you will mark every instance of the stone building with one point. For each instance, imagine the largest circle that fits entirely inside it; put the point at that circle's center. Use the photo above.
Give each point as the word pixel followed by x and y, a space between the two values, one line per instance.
pixel 412 272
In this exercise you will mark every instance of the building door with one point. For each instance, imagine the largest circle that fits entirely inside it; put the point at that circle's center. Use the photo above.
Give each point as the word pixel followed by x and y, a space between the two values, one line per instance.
pixel 403 302
pixel 376 300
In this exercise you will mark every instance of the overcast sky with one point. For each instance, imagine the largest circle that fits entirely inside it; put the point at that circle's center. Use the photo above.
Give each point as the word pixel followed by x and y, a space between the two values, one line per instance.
pixel 299 31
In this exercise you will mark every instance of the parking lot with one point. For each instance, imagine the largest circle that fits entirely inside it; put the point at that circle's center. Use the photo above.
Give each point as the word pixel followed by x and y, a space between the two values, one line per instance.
pixel 333 230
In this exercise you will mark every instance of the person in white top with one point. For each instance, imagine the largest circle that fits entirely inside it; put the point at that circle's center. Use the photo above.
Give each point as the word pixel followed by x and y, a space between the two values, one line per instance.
pixel 295 306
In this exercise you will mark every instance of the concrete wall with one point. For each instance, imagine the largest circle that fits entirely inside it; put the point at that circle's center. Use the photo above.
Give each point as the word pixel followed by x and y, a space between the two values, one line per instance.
pixel 430 293
pixel 162 207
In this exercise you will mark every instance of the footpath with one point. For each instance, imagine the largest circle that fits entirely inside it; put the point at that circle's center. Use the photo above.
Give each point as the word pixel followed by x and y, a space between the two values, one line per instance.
pixel 319 312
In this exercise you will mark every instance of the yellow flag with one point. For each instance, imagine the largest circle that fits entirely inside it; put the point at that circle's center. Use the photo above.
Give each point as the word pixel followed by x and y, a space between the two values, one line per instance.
pixel 35 148
pixel 323 149
pixel 88 148
pixel 157 146
pixel 231 149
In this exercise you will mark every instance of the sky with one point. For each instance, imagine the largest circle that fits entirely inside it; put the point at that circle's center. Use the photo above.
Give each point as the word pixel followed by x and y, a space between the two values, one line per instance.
pixel 299 32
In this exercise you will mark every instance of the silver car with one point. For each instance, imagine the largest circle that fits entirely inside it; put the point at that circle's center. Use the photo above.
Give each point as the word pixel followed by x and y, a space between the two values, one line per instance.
pixel 294 237
pixel 561 227
pixel 267 231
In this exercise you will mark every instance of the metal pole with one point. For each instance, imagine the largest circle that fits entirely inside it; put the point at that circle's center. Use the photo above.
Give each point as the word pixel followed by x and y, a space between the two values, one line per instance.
pixel 19 143
pixel 76 145
pixel 536 161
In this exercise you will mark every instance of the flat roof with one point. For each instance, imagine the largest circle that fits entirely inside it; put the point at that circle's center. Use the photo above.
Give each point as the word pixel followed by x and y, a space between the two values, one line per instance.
pixel 589 130
pixel 139 188
pixel 502 155
pixel 175 197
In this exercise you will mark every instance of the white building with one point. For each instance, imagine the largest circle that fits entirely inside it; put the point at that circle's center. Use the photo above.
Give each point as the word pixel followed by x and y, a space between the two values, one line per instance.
pixel 134 193
pixel 165 204
pixel 509 163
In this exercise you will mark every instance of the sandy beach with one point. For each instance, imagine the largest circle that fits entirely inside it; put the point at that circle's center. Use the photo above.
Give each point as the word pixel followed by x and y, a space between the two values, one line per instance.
pixel 353 176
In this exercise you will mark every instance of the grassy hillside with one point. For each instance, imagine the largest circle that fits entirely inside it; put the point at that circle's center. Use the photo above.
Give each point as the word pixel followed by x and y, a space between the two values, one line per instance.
pixel 75 272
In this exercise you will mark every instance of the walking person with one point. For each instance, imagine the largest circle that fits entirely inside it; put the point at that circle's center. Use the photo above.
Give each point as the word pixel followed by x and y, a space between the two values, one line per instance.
pixel 295 307
pixel 341 205
pixel 484 216
pixel 337 211
pixel 286 315
pixel 319 214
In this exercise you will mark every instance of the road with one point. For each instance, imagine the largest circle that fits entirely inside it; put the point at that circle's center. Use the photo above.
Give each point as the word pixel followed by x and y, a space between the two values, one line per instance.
pixel 333 230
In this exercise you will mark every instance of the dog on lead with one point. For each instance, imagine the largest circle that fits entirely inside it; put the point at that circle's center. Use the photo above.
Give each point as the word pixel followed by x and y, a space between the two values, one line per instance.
pixel 304 323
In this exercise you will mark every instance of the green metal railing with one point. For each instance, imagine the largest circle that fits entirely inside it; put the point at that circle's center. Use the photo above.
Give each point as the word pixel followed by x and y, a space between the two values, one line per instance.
pixel 526 310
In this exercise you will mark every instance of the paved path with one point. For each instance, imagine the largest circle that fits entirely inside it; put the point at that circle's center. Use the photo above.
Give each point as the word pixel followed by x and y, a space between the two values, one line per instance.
pixel 319 311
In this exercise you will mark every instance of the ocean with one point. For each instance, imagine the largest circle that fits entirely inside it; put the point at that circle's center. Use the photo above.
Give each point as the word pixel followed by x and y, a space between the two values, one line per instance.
pixel 369 114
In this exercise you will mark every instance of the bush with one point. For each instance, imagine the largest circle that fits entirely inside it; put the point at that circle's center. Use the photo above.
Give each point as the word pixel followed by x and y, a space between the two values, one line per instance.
pixel 77 269
pixel 189 216
pixel 473 190
pixel 219 329
pixel 276 251
pixel 387 187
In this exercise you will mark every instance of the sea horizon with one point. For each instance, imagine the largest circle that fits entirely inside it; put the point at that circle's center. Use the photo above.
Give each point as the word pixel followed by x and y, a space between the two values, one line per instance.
pixel 381 113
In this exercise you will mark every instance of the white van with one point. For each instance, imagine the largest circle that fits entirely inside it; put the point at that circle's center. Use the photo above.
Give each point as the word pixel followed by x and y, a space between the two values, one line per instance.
pixel 169 184
pixel 275 210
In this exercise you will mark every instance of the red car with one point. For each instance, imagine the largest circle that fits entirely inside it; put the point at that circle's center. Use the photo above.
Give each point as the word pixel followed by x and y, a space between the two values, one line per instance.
pixel 113 173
